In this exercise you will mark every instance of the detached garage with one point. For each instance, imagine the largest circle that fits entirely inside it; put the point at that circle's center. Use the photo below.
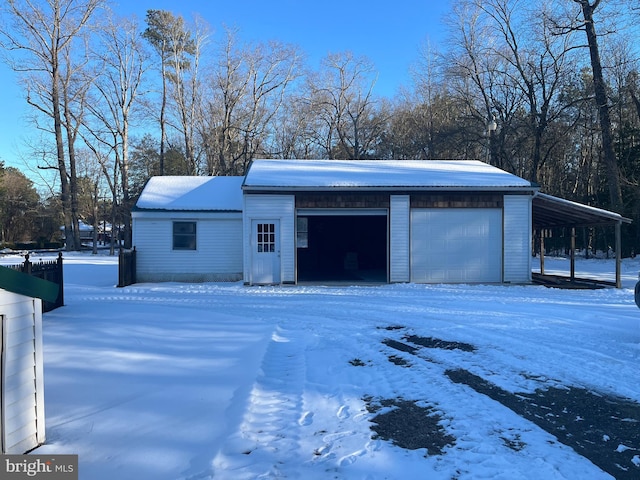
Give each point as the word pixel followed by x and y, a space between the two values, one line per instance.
pixel 324 221
pixel 385 221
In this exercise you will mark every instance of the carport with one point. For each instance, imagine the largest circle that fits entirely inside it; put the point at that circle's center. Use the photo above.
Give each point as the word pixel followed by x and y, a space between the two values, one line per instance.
pixel 552 212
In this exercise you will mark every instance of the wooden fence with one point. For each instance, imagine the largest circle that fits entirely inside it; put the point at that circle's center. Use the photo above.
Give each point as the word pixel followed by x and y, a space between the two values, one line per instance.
pixel 126 267
pixel 49 270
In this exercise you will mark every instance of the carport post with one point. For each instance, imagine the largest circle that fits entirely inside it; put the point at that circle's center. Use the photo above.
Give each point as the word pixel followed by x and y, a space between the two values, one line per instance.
pixel 618 255
pixel 542 235
pixel 573 253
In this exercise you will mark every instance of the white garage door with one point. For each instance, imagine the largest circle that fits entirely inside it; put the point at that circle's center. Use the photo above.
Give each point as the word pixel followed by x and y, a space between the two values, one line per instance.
pixel 456 245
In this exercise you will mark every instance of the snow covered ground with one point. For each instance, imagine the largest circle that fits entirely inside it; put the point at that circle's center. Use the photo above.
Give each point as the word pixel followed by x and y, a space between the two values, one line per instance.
pixel 197 381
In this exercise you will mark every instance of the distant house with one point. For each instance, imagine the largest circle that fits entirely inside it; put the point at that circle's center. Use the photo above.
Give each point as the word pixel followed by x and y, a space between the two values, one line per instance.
pixel 86 233
pixel 291 221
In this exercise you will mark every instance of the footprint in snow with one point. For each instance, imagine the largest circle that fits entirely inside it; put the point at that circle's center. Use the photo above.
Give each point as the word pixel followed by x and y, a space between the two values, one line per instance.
pixel 323 450
pixel 373 446
pixel 362 416
pixel 306 419
pixel 323 454
pixel 343 412
pixel 351 458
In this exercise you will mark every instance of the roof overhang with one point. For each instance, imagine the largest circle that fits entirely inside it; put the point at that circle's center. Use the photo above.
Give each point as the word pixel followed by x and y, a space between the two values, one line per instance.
pixel 390 188
pixel 549 212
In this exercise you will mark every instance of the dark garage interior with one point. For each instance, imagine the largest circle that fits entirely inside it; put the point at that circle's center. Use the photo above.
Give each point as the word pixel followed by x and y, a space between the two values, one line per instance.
pixel 350 248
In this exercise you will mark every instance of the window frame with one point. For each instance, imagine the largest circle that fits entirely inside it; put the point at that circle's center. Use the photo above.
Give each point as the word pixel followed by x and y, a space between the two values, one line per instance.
pixel 189 239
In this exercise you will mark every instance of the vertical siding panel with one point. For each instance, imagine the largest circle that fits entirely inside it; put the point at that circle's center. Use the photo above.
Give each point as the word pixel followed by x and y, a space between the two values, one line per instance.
pixel 39 372
pixel 517 238
pixel 22 384
pixel 399 238
pixel 272 207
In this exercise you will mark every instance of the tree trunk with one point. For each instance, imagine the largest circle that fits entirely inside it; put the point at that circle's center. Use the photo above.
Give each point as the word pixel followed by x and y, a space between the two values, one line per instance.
pixel 65 198
pixel 163 107
pixel 609 155
pixel 73 175
pixel 124 173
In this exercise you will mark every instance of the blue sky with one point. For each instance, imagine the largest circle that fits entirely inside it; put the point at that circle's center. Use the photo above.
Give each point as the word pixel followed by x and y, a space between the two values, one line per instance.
pixel 388 33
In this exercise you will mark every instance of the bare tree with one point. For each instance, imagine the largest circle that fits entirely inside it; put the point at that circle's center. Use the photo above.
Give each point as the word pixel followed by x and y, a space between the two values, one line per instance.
pixel 535 62
pixel 341 95
pixel 473 76
pixel 41 35
pixel 250 85
pixel 434 121
pixel 425 74
pixel 187 90
pixel 121 63
pixel 74 85
pixel 290 128
pixel 220 131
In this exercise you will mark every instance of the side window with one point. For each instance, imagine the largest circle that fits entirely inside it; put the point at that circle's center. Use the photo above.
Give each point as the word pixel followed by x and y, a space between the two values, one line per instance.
pixel 184 235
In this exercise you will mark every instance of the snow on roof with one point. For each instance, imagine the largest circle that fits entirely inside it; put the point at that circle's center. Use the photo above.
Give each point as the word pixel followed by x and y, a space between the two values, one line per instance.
pixel 192 193
pixel 403 174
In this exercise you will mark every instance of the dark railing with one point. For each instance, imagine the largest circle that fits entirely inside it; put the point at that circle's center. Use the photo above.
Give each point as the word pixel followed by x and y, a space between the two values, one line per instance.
pixel 50 271
pixel 126 267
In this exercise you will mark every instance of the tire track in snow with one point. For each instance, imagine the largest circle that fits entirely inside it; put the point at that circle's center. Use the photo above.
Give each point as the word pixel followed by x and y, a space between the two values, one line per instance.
pixel 487 435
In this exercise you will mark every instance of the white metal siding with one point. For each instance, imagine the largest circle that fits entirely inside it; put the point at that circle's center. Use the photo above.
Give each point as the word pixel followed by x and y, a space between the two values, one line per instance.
pixel 517 238
pixel 22 388
pixel 399 238
pixel 218 254
pixel 456 245
pixel 272 207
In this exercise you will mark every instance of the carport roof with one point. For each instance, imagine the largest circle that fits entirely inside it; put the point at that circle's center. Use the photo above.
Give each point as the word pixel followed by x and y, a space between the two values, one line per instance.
pixel 380 174
pixel 549 211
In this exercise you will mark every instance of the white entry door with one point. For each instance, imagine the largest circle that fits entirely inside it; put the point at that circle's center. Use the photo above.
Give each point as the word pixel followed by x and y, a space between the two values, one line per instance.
pixel 265 256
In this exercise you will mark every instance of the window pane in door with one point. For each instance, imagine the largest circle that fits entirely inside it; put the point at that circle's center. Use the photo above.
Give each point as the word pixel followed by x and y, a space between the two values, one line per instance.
pixel 266 237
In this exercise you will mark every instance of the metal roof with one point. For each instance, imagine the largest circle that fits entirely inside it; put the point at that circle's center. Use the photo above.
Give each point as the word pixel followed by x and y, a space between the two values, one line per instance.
pixel 315 175
pixel 549 211
pixel 191 193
